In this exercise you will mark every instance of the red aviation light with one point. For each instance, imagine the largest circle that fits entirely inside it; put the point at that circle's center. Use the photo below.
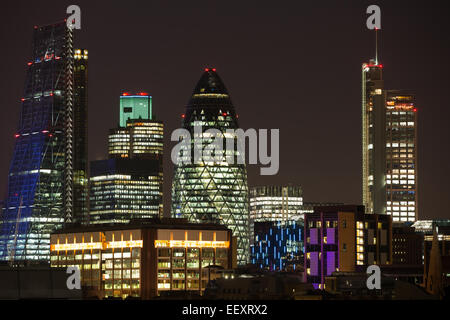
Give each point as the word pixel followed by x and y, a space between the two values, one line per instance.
pixel 224 114
pixel 214 69
pixel 51 94
pixel 23 99
pixel 143 93
pixel 206 69
pixel 125 94
pixel 183 115
pixel 30 63
pixel 16 135
pixel 415 109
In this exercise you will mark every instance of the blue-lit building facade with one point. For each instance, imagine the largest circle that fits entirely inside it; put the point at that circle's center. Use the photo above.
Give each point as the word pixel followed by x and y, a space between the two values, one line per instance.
pixel 278 246
pixel 40 182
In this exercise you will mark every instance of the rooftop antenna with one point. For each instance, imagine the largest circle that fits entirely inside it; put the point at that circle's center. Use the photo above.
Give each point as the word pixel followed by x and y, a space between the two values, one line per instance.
pixel 376 45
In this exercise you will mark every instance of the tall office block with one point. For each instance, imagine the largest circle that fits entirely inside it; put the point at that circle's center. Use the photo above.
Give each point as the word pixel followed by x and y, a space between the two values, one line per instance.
pixel 40 195
pixel 344 238
pixel 373 138
pixel 389 147
pixel 80 134
pixel 125 189
pixel 401 156
pixel 130 184
pixel 139 139
pixel 213 191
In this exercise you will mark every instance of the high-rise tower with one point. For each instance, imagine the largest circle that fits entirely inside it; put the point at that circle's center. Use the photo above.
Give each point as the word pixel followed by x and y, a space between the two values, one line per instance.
pixel 389 136
pixel 373 137
pixel 129 185
pixel 40 197
pixel 217 191
pixel 80 134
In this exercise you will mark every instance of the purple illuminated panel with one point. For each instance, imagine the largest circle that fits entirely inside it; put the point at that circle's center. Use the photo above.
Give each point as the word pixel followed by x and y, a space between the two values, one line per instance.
pixel 331 265
pixel 331 235
pixel 313 235
pixel 314 263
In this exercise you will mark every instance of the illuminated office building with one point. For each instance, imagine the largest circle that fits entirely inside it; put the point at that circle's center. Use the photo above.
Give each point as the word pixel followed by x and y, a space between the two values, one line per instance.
pixel 125 189
pixel 401 156
pixel 213 191
pixel 145 258
pixel 276 203
pixel 389 141
pixel 130 184
pixel 40 182
pixel 278 246
pixel 80 141
pixel 135 106
pixel 373 138
pixel 139 139
pixel 344 238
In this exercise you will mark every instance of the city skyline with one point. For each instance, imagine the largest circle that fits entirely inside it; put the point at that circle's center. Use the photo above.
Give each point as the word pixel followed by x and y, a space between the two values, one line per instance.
pixel 310 167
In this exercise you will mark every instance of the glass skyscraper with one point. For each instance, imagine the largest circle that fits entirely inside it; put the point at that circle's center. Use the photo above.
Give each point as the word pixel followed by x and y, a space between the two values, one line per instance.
pixel 80 141
pixel 213 191
pixel 129 185
pixel 389 141
pixel 40 182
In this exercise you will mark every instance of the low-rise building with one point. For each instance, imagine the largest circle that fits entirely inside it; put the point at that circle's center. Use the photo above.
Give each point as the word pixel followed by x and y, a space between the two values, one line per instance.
pixel 143 259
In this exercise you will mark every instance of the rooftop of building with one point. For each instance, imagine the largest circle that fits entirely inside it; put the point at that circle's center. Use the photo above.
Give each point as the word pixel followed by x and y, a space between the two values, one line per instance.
pixel 151 223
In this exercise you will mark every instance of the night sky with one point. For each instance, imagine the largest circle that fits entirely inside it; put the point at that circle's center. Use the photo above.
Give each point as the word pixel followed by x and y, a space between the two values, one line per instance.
pixel 293 65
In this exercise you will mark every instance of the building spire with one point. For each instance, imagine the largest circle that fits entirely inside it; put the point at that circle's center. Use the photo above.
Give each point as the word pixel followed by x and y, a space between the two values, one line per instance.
pixel 376 45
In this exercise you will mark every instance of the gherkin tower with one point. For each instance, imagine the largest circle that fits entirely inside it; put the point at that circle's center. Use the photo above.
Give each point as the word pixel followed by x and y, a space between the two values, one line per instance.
pixel 215 192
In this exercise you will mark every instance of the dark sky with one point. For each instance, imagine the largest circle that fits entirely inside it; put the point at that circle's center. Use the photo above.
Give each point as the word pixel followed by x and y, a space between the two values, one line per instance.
pixel 293 65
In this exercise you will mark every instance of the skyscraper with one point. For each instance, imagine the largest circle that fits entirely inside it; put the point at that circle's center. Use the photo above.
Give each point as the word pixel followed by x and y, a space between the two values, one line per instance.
pixel 373 138
pixel 389 140
pixel 401 156
pixel 40 197
pixel 213 191
pixel 129 185
pixel 80 141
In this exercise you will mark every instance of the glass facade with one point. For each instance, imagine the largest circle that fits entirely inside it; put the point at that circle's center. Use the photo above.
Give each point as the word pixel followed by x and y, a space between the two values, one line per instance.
pixel 213 191
pixel 139 139
pixel 144 261
pixel 39 198
pixel 389 132
pixel 125 189
pixel 278 246
pixel 135 106
pixel 401 156
pixel 80 155
pixel 109 262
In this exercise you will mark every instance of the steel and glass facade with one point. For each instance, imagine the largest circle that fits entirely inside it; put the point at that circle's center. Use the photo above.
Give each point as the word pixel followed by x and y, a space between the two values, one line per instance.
pixel 125 189
pixel 278 246
pixel 80 133
pixel 40 194
pixel 139 139
pixel 213 191
pixel 389 140
pixel 401 156
pixel 130 184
